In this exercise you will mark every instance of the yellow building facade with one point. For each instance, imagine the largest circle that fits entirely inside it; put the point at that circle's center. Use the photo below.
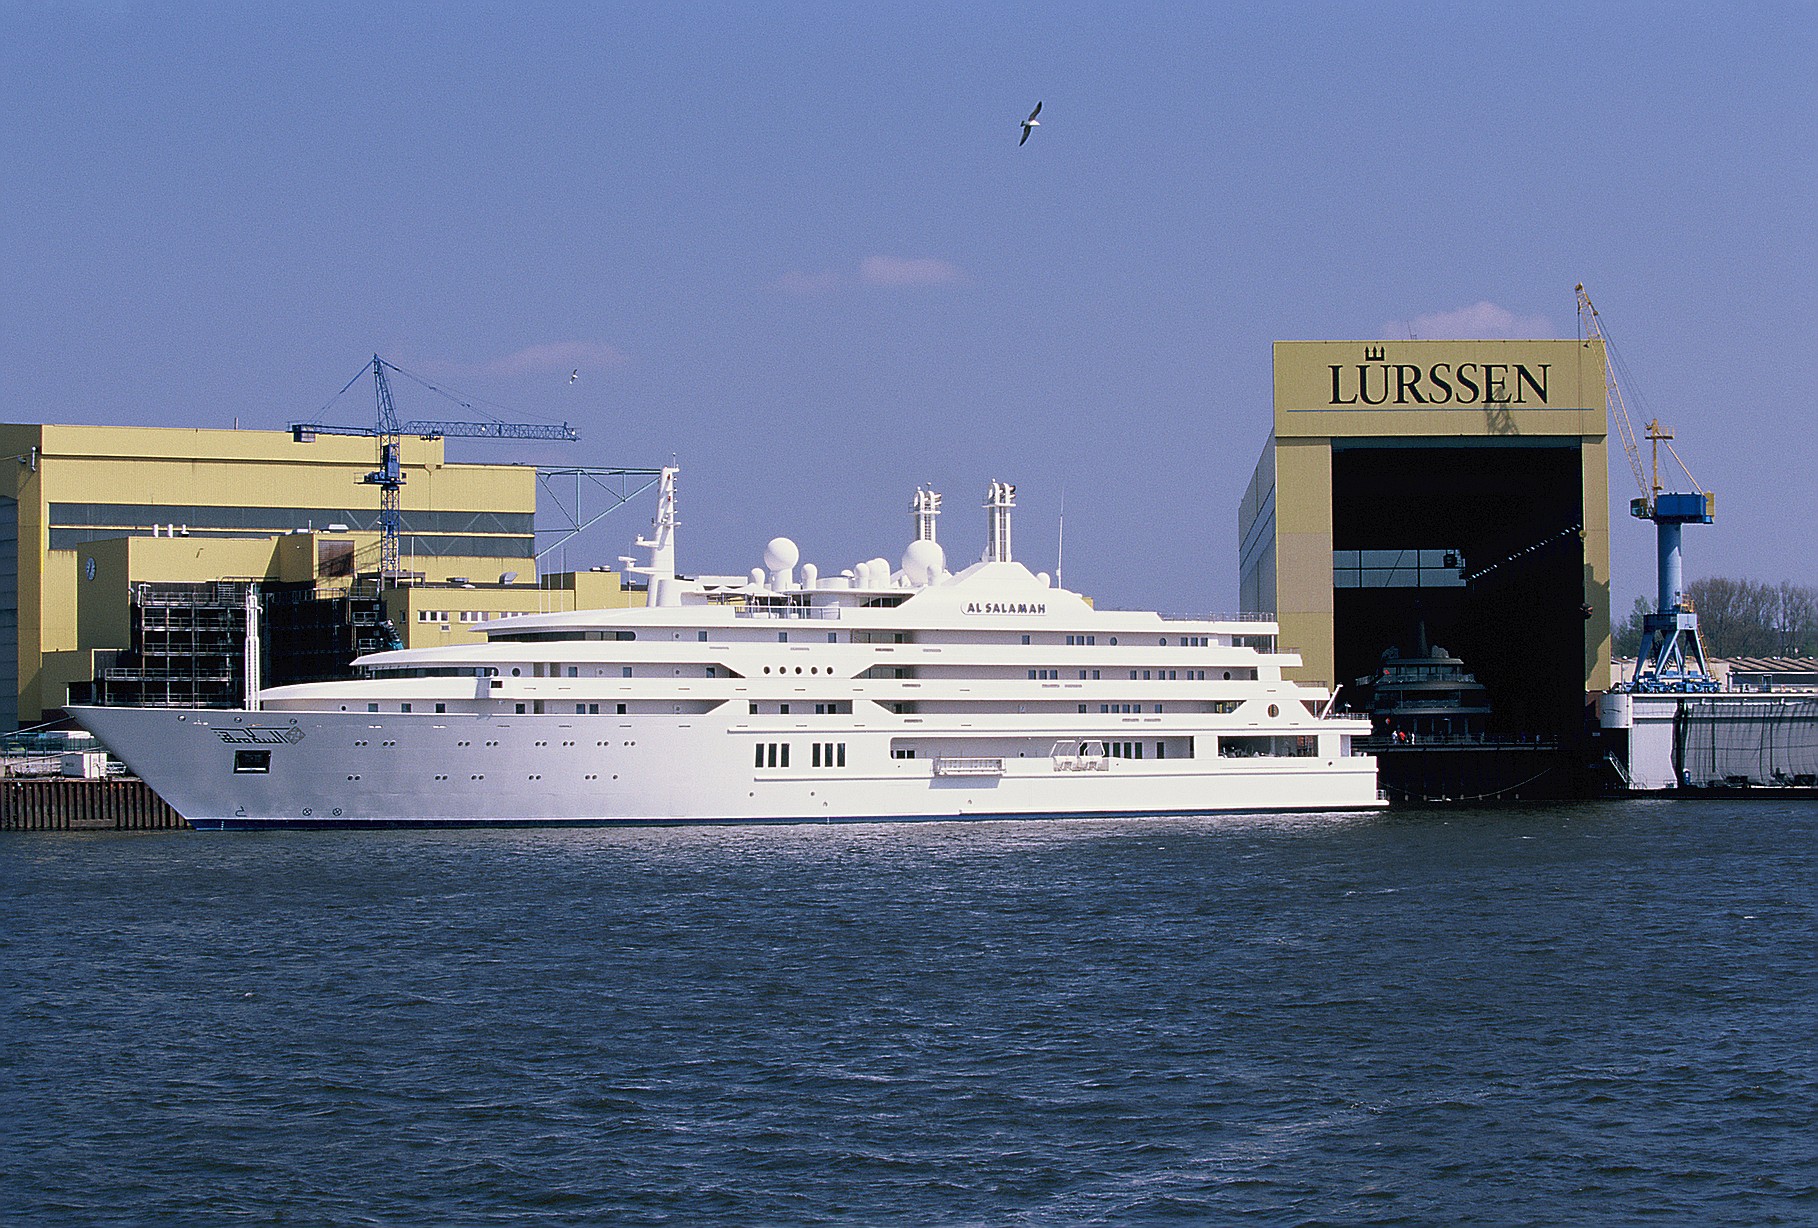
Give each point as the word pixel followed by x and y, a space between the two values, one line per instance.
pixel 87 512
pixel 1413 489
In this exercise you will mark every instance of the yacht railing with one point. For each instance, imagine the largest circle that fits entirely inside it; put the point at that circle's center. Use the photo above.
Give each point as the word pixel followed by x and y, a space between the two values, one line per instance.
pixel 949 765
pixel 788 611
pixel 1250 617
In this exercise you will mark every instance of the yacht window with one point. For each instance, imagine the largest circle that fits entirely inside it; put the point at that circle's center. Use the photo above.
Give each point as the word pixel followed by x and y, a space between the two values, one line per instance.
pixel 372 707
pixel 403 707
pixel 624 671
pixel 252 761
pixel 782 637
pixel 574 671
pixel 701 636
pixel 1025 639
pixel 441 707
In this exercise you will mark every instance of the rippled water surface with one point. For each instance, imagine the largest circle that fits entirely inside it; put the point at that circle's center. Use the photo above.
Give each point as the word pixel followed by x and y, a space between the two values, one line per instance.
pixel 1521 1016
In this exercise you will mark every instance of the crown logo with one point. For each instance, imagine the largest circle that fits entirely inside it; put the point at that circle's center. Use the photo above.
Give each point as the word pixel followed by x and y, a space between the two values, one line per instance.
pixel 1373 353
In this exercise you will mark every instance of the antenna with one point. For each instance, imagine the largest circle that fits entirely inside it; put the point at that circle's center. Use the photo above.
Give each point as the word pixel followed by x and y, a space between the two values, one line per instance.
pixel 1060 540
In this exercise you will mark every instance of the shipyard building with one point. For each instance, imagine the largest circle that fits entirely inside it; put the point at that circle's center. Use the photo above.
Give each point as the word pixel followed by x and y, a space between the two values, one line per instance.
pixel 136 561
pixel 1414 495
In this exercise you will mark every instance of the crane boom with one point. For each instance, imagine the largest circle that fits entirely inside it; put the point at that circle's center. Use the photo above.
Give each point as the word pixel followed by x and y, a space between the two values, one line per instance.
pixel 389 476
pixel 1672 653
pixel 1625 427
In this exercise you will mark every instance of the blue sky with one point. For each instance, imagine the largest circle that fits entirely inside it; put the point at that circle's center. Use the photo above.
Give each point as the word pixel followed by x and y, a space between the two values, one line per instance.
pixel 796 246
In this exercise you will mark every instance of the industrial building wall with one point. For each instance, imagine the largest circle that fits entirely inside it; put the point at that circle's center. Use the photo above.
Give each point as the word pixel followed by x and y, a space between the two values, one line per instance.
pixel 230 498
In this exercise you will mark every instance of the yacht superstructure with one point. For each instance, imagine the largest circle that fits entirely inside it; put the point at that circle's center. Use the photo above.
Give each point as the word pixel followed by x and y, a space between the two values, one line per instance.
pixel 880 693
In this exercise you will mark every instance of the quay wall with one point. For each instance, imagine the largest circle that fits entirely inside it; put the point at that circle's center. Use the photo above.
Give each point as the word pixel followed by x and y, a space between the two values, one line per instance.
pixel 67 804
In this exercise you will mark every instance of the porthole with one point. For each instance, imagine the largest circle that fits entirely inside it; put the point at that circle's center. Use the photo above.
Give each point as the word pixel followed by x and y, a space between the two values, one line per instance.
pixel 1274 711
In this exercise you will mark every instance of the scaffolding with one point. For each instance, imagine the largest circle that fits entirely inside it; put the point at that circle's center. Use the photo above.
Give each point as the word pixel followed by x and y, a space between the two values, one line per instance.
pixel 188 647
pixel 189 641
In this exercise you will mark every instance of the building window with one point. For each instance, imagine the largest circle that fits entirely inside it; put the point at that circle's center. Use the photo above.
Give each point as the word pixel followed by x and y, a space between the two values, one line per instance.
pixel 403 707
pixel 621 709
pixel 372 707
pixel 441 707
pixel 700 636
pixel 624 671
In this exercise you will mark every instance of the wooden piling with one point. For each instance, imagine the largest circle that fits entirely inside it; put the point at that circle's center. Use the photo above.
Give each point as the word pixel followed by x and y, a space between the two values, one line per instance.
pixel 68 804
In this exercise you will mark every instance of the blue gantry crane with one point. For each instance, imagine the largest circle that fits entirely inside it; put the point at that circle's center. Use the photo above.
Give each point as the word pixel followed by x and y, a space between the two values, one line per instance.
pixel 1672 654
pixel 389 476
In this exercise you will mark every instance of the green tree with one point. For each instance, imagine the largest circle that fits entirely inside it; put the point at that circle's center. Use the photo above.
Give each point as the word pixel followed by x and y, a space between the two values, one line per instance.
pixel 1625 641
pixel 1737 618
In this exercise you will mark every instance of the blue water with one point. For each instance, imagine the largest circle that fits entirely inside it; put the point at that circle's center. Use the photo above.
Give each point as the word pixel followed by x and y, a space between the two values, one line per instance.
pixel 1593 1014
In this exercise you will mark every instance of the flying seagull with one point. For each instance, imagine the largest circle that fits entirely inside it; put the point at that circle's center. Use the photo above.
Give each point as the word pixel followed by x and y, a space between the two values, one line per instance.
pixel 1030 124
pixel 574 375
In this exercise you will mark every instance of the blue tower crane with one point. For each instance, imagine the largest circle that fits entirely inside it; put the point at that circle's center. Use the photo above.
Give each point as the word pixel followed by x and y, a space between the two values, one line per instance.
pixel 389 476
pixel 1672 654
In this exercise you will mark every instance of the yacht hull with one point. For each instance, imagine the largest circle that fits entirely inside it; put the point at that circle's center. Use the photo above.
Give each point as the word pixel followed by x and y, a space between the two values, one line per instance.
pixel 300 769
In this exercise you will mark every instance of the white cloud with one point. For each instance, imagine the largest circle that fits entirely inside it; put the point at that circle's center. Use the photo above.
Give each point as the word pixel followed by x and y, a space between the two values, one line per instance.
pixel 1480 320
pixel 557 356
pixel 901 271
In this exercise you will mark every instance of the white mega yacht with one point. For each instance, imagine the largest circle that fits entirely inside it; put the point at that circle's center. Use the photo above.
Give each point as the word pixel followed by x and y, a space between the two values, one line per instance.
pixel 787 696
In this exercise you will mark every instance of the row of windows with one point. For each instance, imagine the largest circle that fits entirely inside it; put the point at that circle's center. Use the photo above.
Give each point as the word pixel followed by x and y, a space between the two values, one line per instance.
pixel 466 616
pixel 278 519
pixel 426 547
pixel 831 707
pixel 776 755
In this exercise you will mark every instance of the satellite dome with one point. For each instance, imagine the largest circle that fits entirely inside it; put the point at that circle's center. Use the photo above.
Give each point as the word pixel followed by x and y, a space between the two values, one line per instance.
pixel 923 561
pixel 781 554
